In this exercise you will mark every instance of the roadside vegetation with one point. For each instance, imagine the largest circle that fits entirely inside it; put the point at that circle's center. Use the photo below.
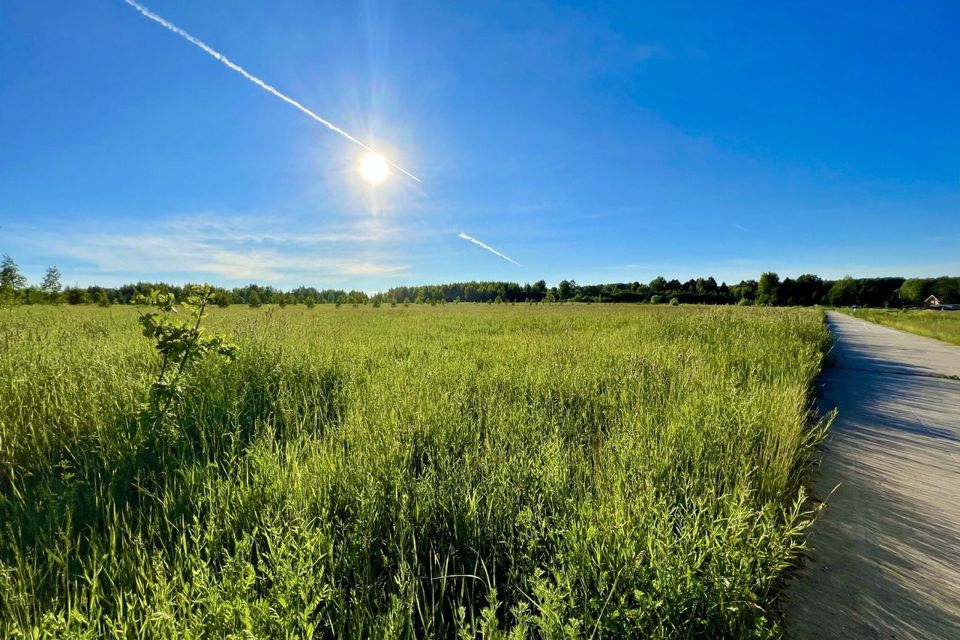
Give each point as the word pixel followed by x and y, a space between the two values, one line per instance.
pixel 942 325
pixel 496 471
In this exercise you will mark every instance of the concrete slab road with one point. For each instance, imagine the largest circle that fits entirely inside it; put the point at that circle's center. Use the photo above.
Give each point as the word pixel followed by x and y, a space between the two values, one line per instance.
pixel 884 557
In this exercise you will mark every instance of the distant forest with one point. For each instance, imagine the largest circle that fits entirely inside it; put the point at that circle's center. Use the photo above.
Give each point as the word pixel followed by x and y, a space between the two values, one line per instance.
pixel 769 290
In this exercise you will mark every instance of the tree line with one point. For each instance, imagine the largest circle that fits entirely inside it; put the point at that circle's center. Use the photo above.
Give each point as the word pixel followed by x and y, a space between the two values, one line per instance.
pixel 769 290
pixel 806 290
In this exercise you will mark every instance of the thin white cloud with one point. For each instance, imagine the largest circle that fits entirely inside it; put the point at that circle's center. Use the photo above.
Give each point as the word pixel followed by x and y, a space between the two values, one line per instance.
pixel 218 248
pixel 247 230
pixel 257 81
pixel 488 248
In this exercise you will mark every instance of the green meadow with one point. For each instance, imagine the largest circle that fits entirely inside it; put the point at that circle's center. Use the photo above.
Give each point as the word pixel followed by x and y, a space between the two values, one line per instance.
pixel 942 325
pixel 495 471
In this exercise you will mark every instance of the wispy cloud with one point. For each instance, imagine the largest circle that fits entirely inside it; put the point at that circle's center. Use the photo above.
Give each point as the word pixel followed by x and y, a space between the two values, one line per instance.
pixel 223 248
pixel 488 248
pixel 246 230
pixel 257 81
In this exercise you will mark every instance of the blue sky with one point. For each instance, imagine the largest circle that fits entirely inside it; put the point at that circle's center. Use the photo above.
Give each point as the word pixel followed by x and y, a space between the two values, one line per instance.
pixel 601 141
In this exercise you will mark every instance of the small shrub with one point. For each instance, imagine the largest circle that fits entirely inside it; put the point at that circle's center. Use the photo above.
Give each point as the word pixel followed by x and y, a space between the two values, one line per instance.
pixel 181 344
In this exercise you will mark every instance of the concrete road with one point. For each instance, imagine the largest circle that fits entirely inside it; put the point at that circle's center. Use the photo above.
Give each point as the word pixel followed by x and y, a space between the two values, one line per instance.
pixel 884 557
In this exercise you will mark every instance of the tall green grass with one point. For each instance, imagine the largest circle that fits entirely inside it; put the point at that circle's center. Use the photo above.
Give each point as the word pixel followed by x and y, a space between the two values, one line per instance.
pixel 495 471
pixel 942 325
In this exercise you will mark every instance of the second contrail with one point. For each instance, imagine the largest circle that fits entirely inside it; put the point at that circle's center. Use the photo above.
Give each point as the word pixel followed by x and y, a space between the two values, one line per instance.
pixel 488 248
pixel 257 81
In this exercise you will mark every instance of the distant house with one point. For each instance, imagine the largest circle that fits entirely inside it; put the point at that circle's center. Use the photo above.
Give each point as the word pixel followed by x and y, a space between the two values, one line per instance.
pixel 932 301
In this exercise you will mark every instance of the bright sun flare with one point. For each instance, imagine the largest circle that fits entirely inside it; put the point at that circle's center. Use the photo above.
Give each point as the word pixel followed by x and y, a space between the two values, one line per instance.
pixel 374 168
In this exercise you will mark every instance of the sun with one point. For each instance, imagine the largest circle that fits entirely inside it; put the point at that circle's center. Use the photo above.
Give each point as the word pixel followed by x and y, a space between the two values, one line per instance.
pixel 374 168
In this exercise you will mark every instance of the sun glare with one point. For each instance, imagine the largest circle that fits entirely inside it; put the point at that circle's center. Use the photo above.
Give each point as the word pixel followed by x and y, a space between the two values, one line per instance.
pixel 374 168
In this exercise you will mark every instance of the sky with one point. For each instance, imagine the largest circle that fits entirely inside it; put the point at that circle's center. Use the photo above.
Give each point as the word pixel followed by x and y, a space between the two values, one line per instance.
pixel 595 141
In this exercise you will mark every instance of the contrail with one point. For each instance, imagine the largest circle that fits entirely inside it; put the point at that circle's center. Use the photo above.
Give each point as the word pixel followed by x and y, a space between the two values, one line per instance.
pixel 257 81
pixel 488 248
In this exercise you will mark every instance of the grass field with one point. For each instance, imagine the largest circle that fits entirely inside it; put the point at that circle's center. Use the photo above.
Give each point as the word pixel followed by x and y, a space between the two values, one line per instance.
pixel 482 470
pixel 942 325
